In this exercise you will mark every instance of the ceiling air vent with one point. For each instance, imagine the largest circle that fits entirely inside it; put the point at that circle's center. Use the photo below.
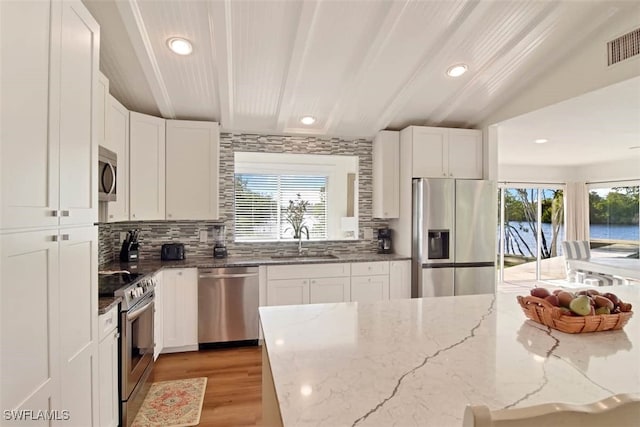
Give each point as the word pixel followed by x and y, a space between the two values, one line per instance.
pixel 624 47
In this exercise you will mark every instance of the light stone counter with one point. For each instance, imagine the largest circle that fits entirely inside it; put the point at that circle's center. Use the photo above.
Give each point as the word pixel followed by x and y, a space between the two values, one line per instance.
pixel 419 362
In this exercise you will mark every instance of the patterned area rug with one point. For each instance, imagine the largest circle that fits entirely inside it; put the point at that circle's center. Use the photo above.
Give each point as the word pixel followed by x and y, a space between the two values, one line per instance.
pixel 172 404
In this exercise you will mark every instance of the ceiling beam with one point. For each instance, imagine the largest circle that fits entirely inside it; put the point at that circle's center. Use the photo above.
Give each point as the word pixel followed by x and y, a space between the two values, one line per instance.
pixel 220 23
pixel 376 47
pixel 299 52
pixel 134 24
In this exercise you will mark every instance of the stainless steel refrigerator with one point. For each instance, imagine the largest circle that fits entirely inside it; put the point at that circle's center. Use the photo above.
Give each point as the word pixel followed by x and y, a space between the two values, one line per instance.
pixel 454 237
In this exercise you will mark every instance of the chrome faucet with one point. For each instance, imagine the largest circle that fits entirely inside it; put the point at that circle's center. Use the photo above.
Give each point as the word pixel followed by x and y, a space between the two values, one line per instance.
pixel 300 244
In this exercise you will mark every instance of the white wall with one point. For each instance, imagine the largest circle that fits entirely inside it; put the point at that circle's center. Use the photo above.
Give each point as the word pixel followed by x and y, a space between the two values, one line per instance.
pixel 547 174
pixel 628 169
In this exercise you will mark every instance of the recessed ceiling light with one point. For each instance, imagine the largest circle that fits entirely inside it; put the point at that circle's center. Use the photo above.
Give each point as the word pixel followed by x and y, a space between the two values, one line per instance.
pixel 457 70
pixel 541 141
pixel 308 120
pixel 180 46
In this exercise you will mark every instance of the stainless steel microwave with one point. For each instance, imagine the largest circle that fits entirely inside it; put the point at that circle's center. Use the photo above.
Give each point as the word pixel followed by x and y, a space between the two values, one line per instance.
pixel 107 175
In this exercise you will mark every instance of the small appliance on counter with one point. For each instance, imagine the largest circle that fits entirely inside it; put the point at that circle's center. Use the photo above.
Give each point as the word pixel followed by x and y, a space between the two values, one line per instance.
pixel 129 250
pixel 384 241
pixel 172 252
pixel 220 247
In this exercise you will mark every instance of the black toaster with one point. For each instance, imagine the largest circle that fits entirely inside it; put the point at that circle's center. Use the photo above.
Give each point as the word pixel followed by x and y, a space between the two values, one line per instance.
pixel 172 251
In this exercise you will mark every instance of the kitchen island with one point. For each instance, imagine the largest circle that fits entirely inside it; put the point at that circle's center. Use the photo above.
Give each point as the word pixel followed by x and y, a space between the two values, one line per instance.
pixel 419 362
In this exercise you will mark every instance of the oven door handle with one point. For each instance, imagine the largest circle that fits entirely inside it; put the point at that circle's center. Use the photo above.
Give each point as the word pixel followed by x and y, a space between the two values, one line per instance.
pixel 136 313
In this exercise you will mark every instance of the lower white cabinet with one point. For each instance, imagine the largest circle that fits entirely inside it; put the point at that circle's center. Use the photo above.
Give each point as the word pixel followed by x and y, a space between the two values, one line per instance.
pixel 338 282
pixel 180 309
pixel 369 288
pixel 329 289
pixel 400 279
pixel 108 360
pixel 158 321
pixel 288 291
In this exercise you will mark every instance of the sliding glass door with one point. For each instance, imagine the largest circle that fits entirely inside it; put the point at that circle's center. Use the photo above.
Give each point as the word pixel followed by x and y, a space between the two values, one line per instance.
pixel 531 232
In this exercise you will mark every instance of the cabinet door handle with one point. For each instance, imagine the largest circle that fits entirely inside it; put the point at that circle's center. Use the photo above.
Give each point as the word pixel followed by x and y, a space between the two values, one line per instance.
pixel 168 215
pixel 65 213
pixel 65 237
pixel 133 215
pixel 313 282
pixel 55 213
pixel 54 238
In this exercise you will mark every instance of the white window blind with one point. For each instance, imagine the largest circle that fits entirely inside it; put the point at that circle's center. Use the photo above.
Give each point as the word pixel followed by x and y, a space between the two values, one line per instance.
pixel 261 201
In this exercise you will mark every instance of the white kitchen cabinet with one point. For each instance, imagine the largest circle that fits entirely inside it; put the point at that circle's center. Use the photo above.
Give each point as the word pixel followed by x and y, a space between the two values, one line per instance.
pixel 78 258
pixel 369 288
pixel 370 281
pixel 180 309
pixel 287 291
pixel 192 153
pixel 444 152
pixel 108 354
pixel 100 103
pixel 329 289
pixel 146 167
pixel 48 134
pixel 400 279
pixel 30 334
pixel 158 315
pixel 465 153
pixel 305 283
pixel 117 140
pixel 386 174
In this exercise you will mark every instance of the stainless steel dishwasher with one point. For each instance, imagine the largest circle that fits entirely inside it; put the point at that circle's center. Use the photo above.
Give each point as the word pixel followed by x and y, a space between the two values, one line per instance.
pixel 228 306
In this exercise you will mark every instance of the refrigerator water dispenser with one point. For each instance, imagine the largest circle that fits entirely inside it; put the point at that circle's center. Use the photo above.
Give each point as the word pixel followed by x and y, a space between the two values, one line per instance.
pixel 438 244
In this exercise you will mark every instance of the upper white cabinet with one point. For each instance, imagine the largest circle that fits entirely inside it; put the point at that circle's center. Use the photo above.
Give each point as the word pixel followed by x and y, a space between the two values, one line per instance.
pixel 192 170
pixel 100 102
pixel 146 167
pixel 386 174
pixel 443 152
pixel 117 140
pixel 48 134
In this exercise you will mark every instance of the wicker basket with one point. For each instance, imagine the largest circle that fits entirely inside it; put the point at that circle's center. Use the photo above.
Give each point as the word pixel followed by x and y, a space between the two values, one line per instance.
pixel 541 311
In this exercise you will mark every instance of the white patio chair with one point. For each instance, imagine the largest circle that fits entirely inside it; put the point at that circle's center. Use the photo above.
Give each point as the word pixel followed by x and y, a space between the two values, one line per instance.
pixel 621 410
pixel 580 250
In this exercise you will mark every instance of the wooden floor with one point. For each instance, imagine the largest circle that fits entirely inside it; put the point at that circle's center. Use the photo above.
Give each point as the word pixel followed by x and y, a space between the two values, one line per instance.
pixel 233 396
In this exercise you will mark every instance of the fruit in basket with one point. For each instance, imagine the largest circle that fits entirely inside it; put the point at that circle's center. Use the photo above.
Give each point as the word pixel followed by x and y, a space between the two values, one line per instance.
pixel 553 300
pixel 540 292
pixel 581 305
pixel 613 298
pixel 566 312
pixel 556 291
pixel 592 292
pixel 602 302
pixel 603 310
pixel 565 298
pixel 624 307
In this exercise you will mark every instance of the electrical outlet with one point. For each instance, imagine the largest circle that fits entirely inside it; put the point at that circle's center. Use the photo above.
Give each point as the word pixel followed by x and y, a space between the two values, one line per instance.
pixel 123 235
pixel 203 236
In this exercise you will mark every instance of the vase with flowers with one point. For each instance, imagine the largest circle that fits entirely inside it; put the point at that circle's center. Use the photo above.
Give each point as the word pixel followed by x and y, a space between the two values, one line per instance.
pixel 295 216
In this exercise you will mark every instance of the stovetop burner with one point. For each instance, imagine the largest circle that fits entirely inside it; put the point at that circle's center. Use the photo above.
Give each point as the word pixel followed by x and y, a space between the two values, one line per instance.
pixel 109 284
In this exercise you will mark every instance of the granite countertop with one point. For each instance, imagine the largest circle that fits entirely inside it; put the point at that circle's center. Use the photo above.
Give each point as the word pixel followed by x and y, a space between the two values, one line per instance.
pixel 106 303
pixel 153 265
pixel 419 362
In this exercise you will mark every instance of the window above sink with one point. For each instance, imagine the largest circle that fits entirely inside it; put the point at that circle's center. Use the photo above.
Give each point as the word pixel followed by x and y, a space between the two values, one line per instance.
pixel 266 183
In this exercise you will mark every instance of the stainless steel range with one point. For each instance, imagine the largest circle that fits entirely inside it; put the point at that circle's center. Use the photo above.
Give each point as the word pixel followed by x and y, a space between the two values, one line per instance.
pixel 136 337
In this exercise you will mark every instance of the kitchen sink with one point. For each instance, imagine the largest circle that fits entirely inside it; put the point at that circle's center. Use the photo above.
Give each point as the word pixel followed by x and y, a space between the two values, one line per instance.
pixel 305 257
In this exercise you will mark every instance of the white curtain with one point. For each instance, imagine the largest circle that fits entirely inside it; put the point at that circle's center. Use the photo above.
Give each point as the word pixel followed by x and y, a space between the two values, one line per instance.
pixel 576 199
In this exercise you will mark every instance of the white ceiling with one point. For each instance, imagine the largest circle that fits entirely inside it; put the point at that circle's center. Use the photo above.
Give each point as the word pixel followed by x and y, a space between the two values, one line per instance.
pixel 358 66
pixel 592 128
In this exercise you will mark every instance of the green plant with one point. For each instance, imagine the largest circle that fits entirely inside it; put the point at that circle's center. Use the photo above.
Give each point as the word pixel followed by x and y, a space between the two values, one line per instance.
pixel 295 217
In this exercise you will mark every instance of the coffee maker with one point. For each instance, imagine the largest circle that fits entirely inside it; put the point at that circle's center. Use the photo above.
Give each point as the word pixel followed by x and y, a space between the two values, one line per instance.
pixel 384 241
pixel 219 247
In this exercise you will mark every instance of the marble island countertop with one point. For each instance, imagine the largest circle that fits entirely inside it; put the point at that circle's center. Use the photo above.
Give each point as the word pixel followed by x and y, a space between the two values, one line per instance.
pixel 419 362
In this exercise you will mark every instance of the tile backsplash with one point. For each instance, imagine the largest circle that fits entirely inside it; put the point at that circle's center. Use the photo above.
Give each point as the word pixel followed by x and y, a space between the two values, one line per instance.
pixel 154 233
